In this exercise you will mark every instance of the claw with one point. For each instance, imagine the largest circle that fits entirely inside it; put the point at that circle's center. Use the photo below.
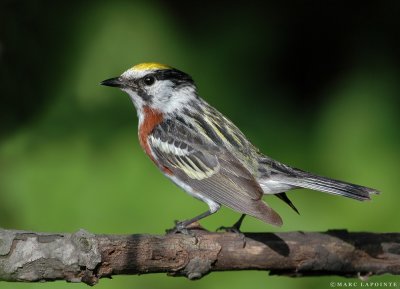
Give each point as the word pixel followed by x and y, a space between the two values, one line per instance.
pixel 235 228
pixel 232 229
pixel 181 227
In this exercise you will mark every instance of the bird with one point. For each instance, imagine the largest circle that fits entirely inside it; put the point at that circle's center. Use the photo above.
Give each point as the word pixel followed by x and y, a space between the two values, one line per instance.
pixel 206 154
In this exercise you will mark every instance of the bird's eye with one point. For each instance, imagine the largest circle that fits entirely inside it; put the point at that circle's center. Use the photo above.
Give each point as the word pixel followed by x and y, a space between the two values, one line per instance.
pixel 149 80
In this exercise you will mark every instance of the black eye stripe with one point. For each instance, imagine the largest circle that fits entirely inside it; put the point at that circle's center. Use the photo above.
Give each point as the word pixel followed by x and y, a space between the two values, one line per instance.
pixel 177 77
pixel 174 75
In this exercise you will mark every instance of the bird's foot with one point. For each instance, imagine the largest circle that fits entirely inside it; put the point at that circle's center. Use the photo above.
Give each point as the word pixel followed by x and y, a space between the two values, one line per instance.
pixel 235 228
pixel 183 228
pixel 231 229
pixel 179 228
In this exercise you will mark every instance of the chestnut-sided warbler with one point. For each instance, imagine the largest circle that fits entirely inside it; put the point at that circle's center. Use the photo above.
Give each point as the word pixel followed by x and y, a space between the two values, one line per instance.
pixel 205 154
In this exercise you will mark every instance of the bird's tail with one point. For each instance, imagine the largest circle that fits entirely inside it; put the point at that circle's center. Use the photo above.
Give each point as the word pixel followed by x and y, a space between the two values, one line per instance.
pixel 331 186
pixel 300 179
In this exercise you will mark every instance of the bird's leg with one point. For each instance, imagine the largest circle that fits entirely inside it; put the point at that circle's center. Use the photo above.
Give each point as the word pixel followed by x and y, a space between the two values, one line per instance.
pixel 235 228
pixel 181 227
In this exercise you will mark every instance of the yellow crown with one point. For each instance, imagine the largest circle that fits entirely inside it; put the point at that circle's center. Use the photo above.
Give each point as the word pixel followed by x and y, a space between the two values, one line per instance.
pixel 150 66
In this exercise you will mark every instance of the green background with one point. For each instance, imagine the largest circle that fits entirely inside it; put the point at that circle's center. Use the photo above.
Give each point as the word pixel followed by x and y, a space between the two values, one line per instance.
pixel 314 84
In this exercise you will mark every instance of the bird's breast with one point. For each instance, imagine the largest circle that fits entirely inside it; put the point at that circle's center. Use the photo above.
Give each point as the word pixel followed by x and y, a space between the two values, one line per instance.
pixel 151 119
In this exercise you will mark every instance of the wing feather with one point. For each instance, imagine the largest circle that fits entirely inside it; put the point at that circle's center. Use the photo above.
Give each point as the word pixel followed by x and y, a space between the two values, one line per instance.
pixel 209 170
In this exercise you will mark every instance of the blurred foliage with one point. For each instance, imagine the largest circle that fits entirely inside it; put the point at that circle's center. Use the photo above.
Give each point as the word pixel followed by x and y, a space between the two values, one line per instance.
pixel 313 84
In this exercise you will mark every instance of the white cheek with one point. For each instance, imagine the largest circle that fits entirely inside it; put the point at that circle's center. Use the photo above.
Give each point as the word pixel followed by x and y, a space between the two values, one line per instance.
pixel 180 99
pixel 136 100
pixel 174 100
pixel 161 90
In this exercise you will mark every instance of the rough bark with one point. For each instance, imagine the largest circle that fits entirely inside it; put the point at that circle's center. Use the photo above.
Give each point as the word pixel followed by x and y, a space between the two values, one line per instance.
pixel 85 257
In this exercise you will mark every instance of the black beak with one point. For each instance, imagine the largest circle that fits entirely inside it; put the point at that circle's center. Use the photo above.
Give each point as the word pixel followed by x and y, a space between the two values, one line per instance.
pixel 114 82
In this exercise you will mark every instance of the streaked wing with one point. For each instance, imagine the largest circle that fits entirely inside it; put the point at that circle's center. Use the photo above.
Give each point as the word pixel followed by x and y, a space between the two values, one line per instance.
pixel 209 170
pixel 180 155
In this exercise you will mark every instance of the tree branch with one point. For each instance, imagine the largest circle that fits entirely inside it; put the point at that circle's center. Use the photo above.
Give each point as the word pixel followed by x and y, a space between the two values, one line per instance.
pixel 85 257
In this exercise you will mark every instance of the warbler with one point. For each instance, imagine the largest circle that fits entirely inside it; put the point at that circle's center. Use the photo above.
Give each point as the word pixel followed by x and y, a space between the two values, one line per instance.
pixel 205 154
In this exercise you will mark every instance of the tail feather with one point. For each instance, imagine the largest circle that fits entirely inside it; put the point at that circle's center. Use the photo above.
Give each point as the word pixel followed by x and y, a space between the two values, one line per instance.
pixel 331 186
pixel 280 178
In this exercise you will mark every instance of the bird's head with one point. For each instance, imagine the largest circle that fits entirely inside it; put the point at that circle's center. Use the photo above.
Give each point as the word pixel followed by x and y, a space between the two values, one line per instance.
pixel 155 86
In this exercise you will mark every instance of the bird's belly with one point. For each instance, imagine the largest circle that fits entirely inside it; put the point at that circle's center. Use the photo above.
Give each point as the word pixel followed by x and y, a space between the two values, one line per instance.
pixel 214 206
